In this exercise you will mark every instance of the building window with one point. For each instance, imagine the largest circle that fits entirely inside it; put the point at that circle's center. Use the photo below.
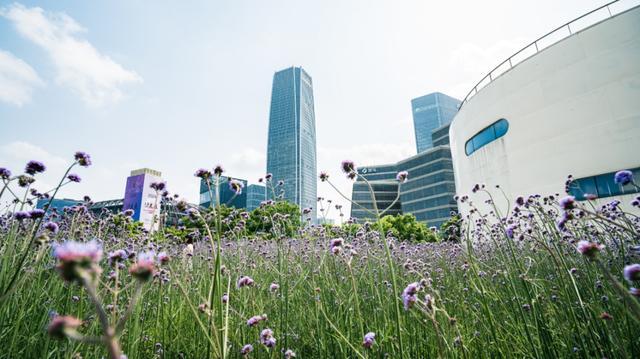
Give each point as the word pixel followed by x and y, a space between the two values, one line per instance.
pixel 602 186
pixel 486 136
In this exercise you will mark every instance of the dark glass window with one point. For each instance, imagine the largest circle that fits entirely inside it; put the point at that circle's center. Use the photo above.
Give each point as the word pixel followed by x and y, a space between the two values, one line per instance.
pixel 602 186
pixel 486 136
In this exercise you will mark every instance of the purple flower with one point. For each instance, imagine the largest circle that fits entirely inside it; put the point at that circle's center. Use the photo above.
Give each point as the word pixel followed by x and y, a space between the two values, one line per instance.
pixel 632 272
pixel 4 173
pixel 369 340
pixel 117 256
pixel 244 281
pixel 256 319
pixel 74 256
pixel 289 354
pixel 402 176
pixel 307 210
pixel 623 178
pixel 144 268
pixel 83 158
pixel 268 176
pixel 348 166
pixel 248 348
pixel 267 339
pixel 34 167
pixel 37 213
pixel 163 258
pixel 128 212
pixel 61 325
pixel 568 203
pixel 409 295
pixel 510 230
pixel 51 227
pixel 225 298
pixel 203 173
pixel 217 170
pixel 324 176
pixel 21 215
pixel 158 186
pixel 236 186
pixel 520 201
pixel 73 178
pixel 274 287
pixel 589 249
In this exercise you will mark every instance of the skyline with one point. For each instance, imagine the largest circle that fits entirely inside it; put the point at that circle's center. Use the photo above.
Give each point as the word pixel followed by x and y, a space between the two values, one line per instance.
pixel 178 91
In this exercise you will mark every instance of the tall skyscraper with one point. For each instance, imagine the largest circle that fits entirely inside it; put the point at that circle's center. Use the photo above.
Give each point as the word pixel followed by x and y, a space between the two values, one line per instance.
pixel 430 112
pixel 291 149
pixel 256 194
pixel 227 196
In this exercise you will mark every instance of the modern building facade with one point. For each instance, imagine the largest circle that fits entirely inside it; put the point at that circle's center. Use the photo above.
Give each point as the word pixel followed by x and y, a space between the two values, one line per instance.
pixel 383 181
pixel 569 109
pixel 430 112
pixel 256 194
pixel 59 204
pixel 228 197
pixel 427 194
pixel 143 200
pixel 291 149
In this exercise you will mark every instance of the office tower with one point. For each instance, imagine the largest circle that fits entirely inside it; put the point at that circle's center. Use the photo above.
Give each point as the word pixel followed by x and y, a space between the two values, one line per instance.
pixel 382 179
pixel 228 197
pixel 256 194
pixel 427 194
pixel 143 200
pixel 429 113
pixel 291 149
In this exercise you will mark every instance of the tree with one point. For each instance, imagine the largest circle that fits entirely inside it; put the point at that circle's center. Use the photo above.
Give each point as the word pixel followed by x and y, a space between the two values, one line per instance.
pixel 284 215
pixel 405 227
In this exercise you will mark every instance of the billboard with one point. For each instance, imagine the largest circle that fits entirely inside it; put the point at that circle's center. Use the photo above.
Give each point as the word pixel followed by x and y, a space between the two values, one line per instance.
pixel 143 200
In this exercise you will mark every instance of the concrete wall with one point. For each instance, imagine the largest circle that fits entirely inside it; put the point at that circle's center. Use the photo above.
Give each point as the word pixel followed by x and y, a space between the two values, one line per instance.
pixel 573 108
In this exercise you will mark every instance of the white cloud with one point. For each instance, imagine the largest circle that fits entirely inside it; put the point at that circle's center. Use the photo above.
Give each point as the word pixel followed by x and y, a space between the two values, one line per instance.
pixel 248 163
pixel 17 79
pixel 80 66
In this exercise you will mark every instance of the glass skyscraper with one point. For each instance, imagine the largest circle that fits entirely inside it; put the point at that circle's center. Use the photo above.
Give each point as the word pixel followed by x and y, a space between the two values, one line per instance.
pixel 430 112
pixel 227 196
pixel 291 149
pixel 255 195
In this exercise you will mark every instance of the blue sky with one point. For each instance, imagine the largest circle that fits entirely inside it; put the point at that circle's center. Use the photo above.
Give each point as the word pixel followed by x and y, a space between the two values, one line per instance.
pixel 176 85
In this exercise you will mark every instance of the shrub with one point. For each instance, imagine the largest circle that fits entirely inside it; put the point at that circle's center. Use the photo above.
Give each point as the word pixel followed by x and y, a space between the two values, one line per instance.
pixel 405 227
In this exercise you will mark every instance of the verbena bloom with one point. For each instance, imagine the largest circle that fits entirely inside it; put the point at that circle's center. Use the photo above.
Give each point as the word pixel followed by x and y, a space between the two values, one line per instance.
pixel 632 272
pixel 274 287
pixel 324 176
pixel 589 249
pixel 34 167
pixel 61 325
pixel 77 256
pixel 244 281
pixel 248 348
pixel 236 186
pixel 83 158
pixel 37 213
pixel 24 181
pixel 51 227
pixel 73 178
pixel 568 203
pixel 158 186
pixel 335 246
pixel 402 176
pixel 268 176
pixel 267 339
pixel 307 210
pixel 289 354
pixel 203 173
pixel 144 268
pixel 21 215
pixel 163 258
pixel 128 212
pixel 409 295
pixel 256 319
pixel 4 173
pixel 369 340
pixel 623 177
pixel 217 170
pixel 225 298
pixel 117 256
pixel 348 166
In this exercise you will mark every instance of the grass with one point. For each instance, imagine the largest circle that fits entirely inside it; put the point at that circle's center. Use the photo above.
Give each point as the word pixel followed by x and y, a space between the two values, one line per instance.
pixel 514 287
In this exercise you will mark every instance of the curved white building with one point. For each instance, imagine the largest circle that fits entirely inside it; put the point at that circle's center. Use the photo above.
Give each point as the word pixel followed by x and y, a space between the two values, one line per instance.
pixel 572 107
